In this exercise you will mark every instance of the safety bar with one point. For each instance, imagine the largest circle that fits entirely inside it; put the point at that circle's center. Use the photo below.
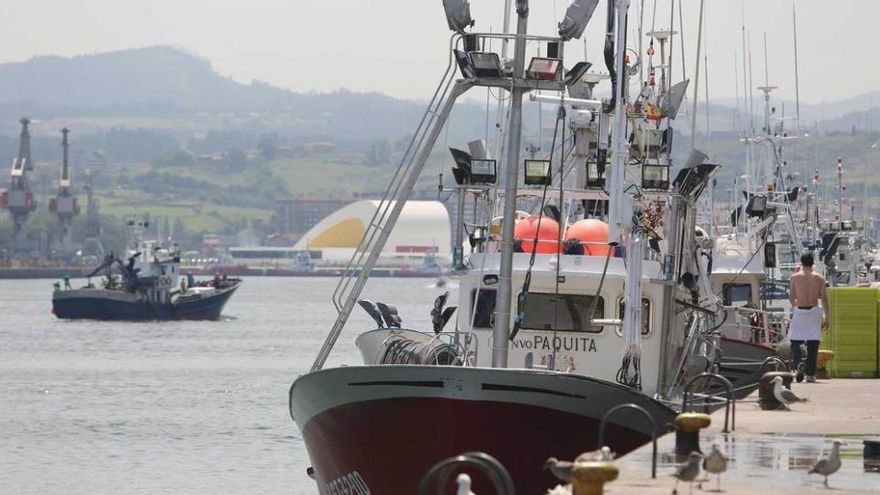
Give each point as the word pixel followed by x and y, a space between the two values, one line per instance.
pixel 731 401
pixel 645 413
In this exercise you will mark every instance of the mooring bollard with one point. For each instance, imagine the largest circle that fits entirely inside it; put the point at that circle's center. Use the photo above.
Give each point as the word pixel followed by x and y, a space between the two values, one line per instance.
pixel 589 477
pixel 766 399
pixel 871 455
pixel 687 433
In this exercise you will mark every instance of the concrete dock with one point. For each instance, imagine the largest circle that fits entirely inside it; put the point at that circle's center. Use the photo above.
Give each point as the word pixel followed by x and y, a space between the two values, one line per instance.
pixel 770 452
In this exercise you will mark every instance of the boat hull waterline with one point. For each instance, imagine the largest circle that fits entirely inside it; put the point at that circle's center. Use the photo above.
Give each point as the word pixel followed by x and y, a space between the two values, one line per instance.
pixel 379 429
pixel 101 304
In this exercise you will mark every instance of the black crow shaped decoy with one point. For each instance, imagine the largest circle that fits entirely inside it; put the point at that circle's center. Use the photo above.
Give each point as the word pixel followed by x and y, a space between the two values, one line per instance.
pixel 372 310
pixel 389 314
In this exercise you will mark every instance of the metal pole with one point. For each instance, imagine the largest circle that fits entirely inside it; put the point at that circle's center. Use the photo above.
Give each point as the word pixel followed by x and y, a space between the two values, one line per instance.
pixel 618 150
pixel 504 296
pixel 697 79
pixel 797 92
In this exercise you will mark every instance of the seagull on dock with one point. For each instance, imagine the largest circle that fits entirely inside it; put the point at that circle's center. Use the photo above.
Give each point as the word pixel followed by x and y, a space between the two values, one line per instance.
pixel 826 466
pixel 688 471
pixel 715 463
pixel 784 395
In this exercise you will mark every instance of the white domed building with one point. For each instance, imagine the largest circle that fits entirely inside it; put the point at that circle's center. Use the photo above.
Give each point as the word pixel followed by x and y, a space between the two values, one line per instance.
pixel 423 229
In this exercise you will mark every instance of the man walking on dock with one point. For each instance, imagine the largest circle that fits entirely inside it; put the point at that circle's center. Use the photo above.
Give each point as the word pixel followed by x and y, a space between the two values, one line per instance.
pixel 806 288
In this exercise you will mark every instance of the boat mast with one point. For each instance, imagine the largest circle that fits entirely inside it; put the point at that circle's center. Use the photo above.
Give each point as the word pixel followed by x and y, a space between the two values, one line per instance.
pixel 501 330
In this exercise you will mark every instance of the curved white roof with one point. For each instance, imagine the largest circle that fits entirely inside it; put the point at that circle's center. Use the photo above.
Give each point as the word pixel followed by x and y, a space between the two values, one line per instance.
pixel 423 226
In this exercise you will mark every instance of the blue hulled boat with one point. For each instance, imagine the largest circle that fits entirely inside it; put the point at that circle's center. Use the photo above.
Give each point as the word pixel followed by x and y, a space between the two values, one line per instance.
pixel 148 286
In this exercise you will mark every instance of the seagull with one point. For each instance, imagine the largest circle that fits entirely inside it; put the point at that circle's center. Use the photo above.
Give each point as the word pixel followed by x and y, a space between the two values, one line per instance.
pixel 464 485
pixel 784 395
pixel 826 466
pixel 715 463
pixel 604 455
pixel 688 471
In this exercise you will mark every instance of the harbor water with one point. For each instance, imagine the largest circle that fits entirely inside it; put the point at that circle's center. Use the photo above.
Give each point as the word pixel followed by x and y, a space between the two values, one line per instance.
pixel 93 407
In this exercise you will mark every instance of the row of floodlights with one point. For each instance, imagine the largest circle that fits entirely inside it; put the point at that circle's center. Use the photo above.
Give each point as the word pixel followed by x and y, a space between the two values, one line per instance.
pixel 478 64
pixel 483 171
pixel 578 14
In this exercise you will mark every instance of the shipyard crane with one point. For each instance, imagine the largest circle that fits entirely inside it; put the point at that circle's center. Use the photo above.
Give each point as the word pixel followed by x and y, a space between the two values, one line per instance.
pixel 64 205
pixel 19 199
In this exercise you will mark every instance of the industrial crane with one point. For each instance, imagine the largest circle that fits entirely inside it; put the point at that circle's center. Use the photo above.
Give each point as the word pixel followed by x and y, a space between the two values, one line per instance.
pixel 64 205
pixel 19 199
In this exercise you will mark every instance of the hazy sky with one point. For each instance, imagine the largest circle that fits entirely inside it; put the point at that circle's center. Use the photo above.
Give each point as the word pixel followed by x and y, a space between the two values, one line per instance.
pixel 398 47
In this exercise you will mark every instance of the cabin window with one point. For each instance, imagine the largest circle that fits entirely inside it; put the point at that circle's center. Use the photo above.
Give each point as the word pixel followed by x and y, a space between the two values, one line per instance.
pixel 163 269
pixel 737 294
pixel 646 315
pixel 562 312
pixel 484 316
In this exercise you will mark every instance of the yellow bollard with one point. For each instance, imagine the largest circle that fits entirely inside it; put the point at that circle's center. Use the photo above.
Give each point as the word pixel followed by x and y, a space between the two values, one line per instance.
pixel 825 357
pixel 687 433
pixel 589 477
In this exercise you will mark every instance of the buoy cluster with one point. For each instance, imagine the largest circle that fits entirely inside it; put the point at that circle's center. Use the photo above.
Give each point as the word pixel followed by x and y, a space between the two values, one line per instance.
pixel 590 234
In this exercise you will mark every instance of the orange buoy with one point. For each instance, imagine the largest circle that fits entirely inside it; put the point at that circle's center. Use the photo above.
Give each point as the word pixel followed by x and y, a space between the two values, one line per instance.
pixel 593 235
pixel 548 234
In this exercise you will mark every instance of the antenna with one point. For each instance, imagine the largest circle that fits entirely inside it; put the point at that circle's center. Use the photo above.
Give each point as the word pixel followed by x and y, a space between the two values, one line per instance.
pixel 696 78
pixel 766 89
pixel 797 93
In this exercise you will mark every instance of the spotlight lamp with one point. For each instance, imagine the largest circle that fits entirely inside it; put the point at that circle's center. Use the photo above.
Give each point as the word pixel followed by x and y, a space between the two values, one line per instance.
pixel 458 15
pixel 543 69
pixel 486 64
pixel 576 18
pixel 538 173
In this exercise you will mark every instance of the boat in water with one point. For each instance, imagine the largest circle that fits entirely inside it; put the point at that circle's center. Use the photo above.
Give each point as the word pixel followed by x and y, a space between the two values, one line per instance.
pixel 586 303
pixel 147 286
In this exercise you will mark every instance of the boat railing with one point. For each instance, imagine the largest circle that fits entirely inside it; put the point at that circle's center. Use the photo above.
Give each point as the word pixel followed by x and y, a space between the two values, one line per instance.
pixel 412 162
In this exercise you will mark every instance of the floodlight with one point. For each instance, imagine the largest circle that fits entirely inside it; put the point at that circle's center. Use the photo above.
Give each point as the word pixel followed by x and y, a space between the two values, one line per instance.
pixel 458 14
pixel 483 171
pixel 655 176
pixel 462 169
pixel 485 64
pixel 595 175
pixel 464 64
pixel 543 69
pixel 671 101
pixel 576 18
pixel 538 173
pixel 576 73
pixel 757 206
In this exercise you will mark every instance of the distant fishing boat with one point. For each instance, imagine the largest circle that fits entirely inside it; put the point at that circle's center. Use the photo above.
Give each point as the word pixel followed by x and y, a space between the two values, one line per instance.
pixel 147 286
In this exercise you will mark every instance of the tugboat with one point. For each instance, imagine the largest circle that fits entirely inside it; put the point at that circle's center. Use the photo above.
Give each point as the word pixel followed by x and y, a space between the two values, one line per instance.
pixel 147 286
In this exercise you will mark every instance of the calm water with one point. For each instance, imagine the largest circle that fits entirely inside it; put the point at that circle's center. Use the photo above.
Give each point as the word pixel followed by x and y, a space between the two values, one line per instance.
pixel 172 407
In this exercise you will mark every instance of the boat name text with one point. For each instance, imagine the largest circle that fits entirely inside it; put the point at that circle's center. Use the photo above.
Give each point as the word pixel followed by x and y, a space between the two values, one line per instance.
pixel 544 342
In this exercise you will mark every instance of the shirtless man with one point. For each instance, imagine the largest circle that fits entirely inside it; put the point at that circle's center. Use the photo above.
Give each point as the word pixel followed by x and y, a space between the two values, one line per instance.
pixel 805 290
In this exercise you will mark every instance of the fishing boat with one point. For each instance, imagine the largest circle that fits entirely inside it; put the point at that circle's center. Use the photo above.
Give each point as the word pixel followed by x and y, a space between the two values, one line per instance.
pixel 148 285
pixel 590 301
